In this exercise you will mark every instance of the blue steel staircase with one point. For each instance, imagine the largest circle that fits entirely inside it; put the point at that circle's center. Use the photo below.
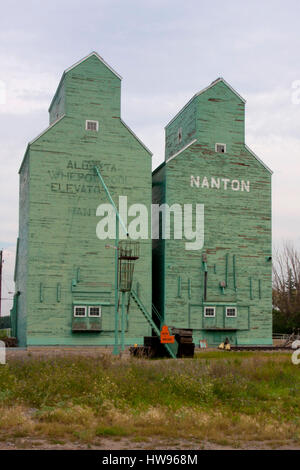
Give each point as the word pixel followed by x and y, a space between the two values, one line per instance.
pixel 171 348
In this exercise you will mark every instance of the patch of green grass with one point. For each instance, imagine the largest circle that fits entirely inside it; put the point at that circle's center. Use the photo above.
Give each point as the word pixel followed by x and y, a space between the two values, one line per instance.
pixel 242 394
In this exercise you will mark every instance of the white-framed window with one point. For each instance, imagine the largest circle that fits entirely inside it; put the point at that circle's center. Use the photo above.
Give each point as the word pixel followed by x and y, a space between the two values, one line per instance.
pixel 209 311
pixel 231 311
pixel 95 311
pixel 91 125
pixel 79 311
pixel 179 135
pixel 220 148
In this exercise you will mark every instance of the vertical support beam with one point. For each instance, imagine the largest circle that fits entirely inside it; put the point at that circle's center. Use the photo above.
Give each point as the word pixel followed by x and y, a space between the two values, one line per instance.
pixel 123 323
pixel 179 286
pixel 250 288
pixel 118 221
pixel 226 269
pixel 41 292
pixel 259 288
pixel 116 349
pixel 189 288
pixel 58 292
pixel 205 285
pixel 204 262
pixel 234 272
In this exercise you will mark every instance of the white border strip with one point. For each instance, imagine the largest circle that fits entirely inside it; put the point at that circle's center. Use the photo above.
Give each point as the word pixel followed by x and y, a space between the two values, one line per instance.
pixel 258 159
pixel 202 91
pixel 36 138
pixel 75 65
pixel 134 135
pixel 101 60
pixel 184 148
pixel 49 127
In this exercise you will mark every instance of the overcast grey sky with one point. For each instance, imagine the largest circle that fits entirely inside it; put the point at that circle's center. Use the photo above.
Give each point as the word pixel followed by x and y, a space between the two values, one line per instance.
pixel 166 51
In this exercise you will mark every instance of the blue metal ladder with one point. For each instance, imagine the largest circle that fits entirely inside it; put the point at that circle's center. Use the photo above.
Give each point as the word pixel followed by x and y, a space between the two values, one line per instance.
pixel 171 348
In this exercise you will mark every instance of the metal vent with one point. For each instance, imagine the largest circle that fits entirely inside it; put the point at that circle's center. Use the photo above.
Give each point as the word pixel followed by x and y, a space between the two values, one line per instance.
pixel 92 126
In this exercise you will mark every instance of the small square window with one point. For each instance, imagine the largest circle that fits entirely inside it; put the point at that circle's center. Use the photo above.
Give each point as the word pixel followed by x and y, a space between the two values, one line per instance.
pixel 209 311
pixel 220 148
pixel 79 311
pixel 92 126
pixel 231 311
pixel 94 311
pixel 179 135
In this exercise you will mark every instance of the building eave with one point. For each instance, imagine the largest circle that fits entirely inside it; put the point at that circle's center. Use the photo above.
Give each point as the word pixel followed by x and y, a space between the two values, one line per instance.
pixel 55 94
pixel 47 129
pixel 36 138
pixel 134 135
pixel 218 80
pixel 98 57
pixel 181 150
pixel 24 158
pixel 78 63
pixel 258 159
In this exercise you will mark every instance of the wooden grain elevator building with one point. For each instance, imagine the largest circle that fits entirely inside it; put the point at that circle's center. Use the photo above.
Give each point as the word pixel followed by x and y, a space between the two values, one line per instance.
pixel 65 275
pixel 63 271
pixel 222 290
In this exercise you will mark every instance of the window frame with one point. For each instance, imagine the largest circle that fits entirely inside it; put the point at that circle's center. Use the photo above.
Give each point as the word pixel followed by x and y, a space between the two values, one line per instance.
pixel 220 143
pixel 79 306
pixel 231 316
pixel 95 306
pixel 94 122
pixel 210 316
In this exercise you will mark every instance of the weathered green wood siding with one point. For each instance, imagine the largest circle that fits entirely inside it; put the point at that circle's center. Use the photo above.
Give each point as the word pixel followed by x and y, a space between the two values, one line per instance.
pixel 22 255
pixel 66 263
pixel 237 238
pixel 186 122
pixel 58 105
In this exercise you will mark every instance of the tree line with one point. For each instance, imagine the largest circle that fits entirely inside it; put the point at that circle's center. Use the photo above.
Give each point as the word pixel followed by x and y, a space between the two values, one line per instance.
pixel 286 289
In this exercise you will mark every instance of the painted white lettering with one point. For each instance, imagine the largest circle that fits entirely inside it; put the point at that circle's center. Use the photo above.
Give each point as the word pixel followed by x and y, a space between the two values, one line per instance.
pixel 195 181
pixel 205 183
pixel 245 186
pixel 225 180
pixel 235 185
pixel 215 183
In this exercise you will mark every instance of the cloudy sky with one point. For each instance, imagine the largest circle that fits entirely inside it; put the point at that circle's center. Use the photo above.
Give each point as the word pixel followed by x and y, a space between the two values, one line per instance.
pixel 165 50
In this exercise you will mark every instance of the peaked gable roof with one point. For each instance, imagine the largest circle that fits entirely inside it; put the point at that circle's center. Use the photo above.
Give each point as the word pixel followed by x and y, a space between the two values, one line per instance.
pixel 98 57
pixel 218 80
pixel 78 63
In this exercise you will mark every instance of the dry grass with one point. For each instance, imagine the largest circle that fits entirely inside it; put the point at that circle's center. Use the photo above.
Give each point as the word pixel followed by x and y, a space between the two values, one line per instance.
pixel 224 398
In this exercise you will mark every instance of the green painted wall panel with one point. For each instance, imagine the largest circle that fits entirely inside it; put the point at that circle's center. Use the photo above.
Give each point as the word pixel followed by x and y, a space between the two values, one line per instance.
pixel 237 230
pixel 58 241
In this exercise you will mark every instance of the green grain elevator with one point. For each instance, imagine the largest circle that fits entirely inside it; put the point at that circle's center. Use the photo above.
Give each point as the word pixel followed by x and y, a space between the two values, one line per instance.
pixel 223 289
pixel 63 270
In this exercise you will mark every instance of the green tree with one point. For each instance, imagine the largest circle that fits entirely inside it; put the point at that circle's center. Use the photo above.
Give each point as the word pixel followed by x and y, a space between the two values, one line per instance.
pixel 286 289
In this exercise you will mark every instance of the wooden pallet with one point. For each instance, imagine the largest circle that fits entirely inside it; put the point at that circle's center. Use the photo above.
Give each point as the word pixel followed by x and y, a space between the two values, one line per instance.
pixel 154 348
